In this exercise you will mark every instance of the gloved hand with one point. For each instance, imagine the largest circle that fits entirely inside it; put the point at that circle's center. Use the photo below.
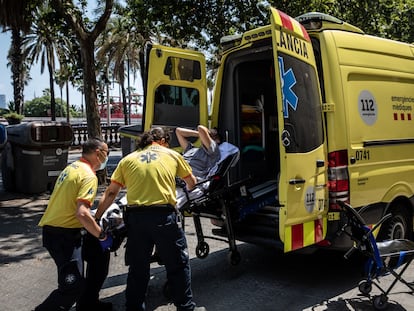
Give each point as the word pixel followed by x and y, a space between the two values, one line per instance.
pixel 107 243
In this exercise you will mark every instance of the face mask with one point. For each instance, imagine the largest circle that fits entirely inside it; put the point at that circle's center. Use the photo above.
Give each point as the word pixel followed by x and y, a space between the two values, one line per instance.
pixel 103 164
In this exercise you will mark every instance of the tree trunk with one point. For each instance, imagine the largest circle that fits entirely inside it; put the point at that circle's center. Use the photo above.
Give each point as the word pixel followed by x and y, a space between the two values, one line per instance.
pixel 67 103
pixel 89 80
pixel 52 92
pixel 124 99
pixel 17 62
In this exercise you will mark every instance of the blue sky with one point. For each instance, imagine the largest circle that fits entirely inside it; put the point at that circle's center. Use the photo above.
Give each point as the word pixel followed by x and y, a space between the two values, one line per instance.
pixel 39 81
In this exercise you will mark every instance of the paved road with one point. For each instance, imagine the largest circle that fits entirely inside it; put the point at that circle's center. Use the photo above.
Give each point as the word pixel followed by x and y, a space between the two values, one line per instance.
pixel 265 280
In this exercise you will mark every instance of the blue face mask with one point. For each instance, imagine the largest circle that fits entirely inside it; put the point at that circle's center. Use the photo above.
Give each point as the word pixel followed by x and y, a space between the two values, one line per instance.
pixel 103 164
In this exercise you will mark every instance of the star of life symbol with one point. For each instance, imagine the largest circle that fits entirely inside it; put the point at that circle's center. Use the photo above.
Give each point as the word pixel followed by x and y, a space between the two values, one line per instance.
pixel 70 278
pixel 62 177
pixel 288 80
pixel 148 157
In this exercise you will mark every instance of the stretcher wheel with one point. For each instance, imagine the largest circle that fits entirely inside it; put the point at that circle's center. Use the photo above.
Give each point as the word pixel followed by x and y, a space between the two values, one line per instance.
pixel 365 287
pixel 234 258
pixel 380 302
pixel 202 249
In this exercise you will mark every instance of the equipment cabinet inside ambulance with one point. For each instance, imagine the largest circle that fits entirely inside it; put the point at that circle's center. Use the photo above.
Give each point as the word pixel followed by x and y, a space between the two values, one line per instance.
pixel 312 114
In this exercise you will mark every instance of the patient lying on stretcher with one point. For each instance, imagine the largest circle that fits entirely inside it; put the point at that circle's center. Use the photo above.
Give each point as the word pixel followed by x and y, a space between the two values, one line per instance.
pixel 204 160
pixel 226 150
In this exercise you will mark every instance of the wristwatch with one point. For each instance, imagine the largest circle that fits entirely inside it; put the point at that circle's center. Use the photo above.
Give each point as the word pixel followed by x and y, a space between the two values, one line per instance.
pixel 102 235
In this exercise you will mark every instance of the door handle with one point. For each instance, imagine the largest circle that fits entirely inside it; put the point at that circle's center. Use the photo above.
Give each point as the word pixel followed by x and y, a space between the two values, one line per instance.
pixel 320 163
pixel 296 181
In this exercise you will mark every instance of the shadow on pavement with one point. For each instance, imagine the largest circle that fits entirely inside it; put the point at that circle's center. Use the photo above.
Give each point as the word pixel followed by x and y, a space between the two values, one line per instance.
pixel 20 237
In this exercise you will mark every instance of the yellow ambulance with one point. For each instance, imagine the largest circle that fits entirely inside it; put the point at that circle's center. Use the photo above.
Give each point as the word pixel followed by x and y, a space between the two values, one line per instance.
pixel 320 111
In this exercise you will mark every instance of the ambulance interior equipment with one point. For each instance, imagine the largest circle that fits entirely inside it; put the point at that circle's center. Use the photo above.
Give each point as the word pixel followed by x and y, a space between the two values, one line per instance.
pixel 383 258
pixel 226 203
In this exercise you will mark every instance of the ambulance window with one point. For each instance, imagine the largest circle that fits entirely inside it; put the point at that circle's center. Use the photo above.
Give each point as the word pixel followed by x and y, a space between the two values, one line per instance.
pixel 317 51
pixel 182 69
pixel 176 105
pixel 301 105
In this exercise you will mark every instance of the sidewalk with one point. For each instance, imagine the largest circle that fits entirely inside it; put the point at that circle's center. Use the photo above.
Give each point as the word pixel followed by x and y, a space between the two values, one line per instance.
pixel 265 280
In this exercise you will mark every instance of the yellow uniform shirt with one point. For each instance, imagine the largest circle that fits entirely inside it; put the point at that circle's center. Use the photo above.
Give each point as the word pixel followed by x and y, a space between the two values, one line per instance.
pixel 149 175
pixel 76 182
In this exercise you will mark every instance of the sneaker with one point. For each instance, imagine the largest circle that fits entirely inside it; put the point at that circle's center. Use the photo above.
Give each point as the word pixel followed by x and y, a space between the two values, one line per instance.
pixel 200 309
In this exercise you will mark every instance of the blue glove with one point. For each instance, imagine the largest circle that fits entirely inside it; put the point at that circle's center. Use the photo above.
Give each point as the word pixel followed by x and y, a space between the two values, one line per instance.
pixel 107 243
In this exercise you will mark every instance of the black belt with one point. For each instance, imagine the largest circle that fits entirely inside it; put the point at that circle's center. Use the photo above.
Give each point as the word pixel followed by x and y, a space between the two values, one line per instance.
pixel 75 233
pixel 151 208
pixel 54 229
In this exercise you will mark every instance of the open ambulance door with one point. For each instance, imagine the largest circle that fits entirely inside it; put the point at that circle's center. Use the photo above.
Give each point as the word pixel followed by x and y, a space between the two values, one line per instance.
pixel 175 88
pixel 303 170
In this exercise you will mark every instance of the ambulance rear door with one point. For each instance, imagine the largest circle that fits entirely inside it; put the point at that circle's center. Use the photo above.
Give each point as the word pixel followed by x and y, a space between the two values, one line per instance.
pixel 303 173
pixel 175 88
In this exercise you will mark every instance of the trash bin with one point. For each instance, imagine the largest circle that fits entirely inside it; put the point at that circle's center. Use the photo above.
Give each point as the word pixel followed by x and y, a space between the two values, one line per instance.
pixel 3 136
pixel 129 135
pixel 35 154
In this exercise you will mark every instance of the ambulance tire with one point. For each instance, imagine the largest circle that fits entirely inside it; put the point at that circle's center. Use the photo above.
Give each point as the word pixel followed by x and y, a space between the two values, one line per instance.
pixel 397 227
pixel 380 302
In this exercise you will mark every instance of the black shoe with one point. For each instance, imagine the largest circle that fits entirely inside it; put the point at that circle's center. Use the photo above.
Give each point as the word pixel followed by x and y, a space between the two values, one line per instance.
pixel 98 306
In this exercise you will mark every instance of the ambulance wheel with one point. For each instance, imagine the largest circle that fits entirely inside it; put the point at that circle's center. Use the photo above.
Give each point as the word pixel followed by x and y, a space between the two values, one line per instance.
pixel 202 249
pixel 234 258
pixel 380 302
pixel 397 227
pixel 365 287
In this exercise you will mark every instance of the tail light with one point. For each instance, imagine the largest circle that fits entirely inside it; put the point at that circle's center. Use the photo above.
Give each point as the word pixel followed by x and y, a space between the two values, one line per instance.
pixel 338 178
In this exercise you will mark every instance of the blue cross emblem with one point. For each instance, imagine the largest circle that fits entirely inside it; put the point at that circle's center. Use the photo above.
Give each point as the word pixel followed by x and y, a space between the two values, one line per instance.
pixel 288 81
pixel 148 157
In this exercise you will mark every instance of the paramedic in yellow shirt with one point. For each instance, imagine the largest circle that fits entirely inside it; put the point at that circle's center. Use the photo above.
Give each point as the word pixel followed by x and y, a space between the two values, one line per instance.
pixel 68 211
pixel 152 219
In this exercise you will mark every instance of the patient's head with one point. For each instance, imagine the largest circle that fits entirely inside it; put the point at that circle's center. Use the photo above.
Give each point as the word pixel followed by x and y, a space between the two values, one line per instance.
pixel 215 135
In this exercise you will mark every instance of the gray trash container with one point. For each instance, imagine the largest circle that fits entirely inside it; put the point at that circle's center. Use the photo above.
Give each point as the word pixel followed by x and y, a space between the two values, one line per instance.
pixel 129 135
pixel 35 154
pixel 3 136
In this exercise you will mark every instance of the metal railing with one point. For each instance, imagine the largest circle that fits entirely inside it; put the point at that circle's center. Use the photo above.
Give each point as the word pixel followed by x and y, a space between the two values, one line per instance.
pixel 109 132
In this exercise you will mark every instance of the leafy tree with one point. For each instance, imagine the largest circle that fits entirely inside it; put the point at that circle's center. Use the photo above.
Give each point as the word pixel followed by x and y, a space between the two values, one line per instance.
pixel 41 43
pixel 40 106
pixel 16 16
pixel 86 33
pixel 120 51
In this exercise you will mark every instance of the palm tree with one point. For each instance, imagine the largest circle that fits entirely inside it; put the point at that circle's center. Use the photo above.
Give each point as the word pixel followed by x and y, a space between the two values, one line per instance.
pixel 18 69
pixel 120 46
pixel 86 32
pixel 41 43
pixel 16 16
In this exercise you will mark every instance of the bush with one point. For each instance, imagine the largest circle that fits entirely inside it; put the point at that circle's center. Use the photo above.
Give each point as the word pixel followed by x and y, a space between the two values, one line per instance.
pixel 13 117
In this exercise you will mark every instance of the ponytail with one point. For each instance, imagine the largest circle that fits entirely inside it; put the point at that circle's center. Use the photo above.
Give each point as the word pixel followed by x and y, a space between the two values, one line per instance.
pixel 153 135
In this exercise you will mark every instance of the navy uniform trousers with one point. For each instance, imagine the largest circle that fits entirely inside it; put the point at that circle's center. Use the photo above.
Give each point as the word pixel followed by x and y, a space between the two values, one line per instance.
pixel 162 228
pixel 65 247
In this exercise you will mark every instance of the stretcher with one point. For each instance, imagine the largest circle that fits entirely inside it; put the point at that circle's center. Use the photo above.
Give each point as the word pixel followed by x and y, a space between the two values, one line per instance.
pixel 226 203
pixel 217 198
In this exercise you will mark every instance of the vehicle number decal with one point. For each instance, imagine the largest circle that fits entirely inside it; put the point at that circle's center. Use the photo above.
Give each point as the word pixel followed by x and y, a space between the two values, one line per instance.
pixel 310 199
pixel 367 107
pixel 361 155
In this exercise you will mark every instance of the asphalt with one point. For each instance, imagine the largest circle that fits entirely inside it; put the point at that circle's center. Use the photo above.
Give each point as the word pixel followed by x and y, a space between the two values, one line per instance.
pixel 28 275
